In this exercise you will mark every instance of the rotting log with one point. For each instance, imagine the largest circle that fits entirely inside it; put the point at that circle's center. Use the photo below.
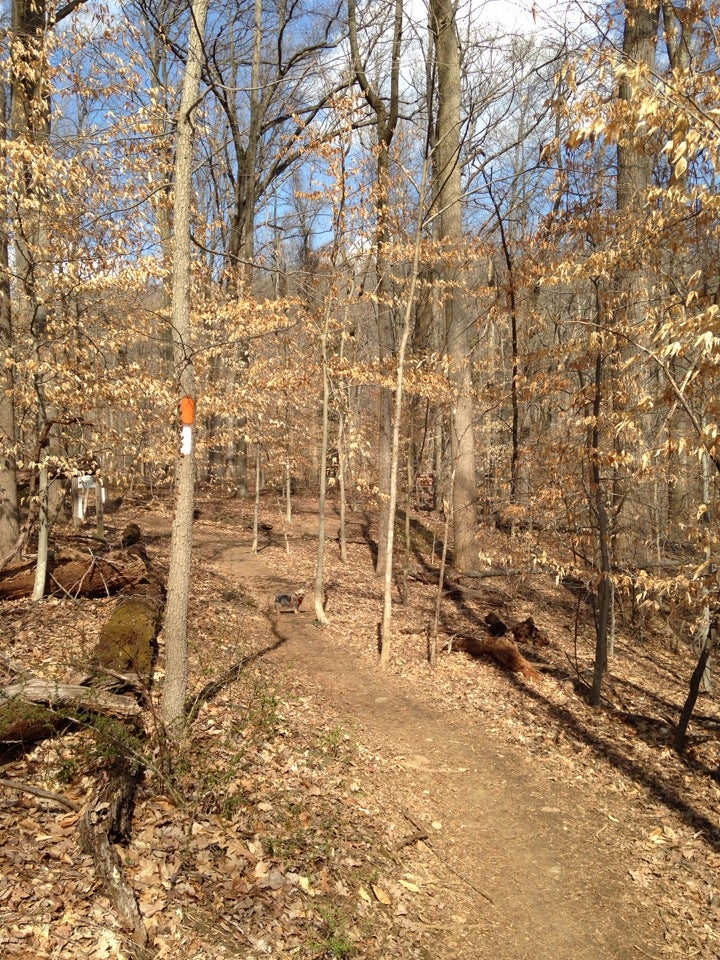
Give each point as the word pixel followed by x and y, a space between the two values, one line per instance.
pixel 525 631
pixel 504 651
pixel 68 696
pixel 108 868
pixel 106 820
pixel 125 654
pixel 34 709
pixel 75 573
pixel 127 646
pixel 120 673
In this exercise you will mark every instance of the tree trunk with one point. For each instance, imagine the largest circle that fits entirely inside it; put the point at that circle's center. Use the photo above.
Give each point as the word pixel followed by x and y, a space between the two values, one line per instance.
pixel 447 210
pixel 512 310
pixel 386 626
pixel 256 507
pixel 639 47
pixel 320 564
pixel 43 535
pixel 709 644
pixel 30 129
pixel 342 457
pixel 386 634
pixel 175 626
pixel 634 175
pixel 9 514
pixel 386 117
pixel 598 505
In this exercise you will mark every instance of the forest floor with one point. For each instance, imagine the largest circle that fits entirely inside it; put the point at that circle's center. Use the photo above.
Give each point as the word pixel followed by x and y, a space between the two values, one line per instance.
pixel 322 807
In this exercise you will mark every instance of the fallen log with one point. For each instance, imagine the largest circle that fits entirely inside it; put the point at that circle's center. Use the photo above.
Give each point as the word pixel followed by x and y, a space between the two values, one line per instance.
pixel 450 587
pixel 125 653
pixel 127 647
pixel 65 696
pixel 492 572
pixel 116 684
pixel 119 675
pixel 527 631
pixel 107 820
pixel 495 626
pixel 34 709
pixel 452 584
pixel 504 651
pixel 74 573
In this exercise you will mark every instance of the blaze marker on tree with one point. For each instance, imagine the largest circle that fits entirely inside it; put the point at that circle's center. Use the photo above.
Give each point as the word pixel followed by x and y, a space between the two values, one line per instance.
pixel 187 418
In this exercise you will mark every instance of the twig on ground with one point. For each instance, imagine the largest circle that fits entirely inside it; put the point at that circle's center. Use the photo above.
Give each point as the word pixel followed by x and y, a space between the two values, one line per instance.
pixel 39 792
pixel 452 870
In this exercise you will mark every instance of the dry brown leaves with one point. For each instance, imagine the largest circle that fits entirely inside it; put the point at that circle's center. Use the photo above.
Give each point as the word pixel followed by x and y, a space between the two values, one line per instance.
pixel 258 839
pixel 267 836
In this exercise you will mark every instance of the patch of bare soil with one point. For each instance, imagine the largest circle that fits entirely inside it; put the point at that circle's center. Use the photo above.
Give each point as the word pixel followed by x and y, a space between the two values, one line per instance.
pixel 322 807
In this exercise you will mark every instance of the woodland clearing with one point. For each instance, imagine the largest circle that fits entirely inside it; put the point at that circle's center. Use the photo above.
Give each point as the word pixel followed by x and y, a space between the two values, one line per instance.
pixel 320 807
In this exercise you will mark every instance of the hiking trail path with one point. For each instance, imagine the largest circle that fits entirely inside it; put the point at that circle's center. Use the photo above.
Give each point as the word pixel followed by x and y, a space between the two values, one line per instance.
pixel 527 867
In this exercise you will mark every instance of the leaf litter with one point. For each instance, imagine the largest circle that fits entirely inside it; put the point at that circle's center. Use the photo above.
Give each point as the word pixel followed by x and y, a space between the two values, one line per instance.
pixel 271 835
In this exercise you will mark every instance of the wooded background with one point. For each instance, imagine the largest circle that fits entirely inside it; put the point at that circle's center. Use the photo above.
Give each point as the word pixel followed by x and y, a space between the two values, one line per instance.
pixel 516 229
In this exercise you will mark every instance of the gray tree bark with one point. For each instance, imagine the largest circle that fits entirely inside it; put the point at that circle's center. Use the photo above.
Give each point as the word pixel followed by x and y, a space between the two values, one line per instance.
pixel 386 117
pixel 175 625
pixel 9 514
pixel 447 210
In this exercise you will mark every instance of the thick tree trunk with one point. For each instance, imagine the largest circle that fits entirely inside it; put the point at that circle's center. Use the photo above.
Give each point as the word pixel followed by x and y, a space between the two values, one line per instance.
pixel 447 211
pixel 640 39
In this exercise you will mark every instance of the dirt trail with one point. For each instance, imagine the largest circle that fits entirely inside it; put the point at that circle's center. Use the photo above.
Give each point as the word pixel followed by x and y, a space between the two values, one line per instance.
pixel 531 869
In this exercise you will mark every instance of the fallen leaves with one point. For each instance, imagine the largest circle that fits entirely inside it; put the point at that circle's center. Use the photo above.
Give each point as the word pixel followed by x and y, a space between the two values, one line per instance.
pixel 273 835
pixel 381 895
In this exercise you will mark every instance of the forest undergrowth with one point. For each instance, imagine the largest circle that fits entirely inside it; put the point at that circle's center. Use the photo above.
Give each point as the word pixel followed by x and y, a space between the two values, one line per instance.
pixel 270 830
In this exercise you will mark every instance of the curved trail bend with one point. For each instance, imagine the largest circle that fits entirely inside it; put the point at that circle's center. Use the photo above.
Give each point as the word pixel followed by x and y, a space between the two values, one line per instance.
pixel 527 867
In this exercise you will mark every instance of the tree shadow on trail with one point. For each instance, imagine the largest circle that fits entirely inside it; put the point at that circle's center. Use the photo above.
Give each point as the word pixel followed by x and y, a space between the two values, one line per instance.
pixel 194 704
pixel 659 788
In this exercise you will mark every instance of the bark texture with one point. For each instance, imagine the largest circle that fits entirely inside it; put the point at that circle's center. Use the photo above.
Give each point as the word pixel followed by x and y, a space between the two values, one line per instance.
pixel 175 627
pixel 447 210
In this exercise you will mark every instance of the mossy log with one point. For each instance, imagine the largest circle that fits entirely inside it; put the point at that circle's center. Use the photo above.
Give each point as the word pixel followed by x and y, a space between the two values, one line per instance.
pixel 128 640
pixel 119 675
pixel 123 659
pixel 116 683
pixel 124 654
